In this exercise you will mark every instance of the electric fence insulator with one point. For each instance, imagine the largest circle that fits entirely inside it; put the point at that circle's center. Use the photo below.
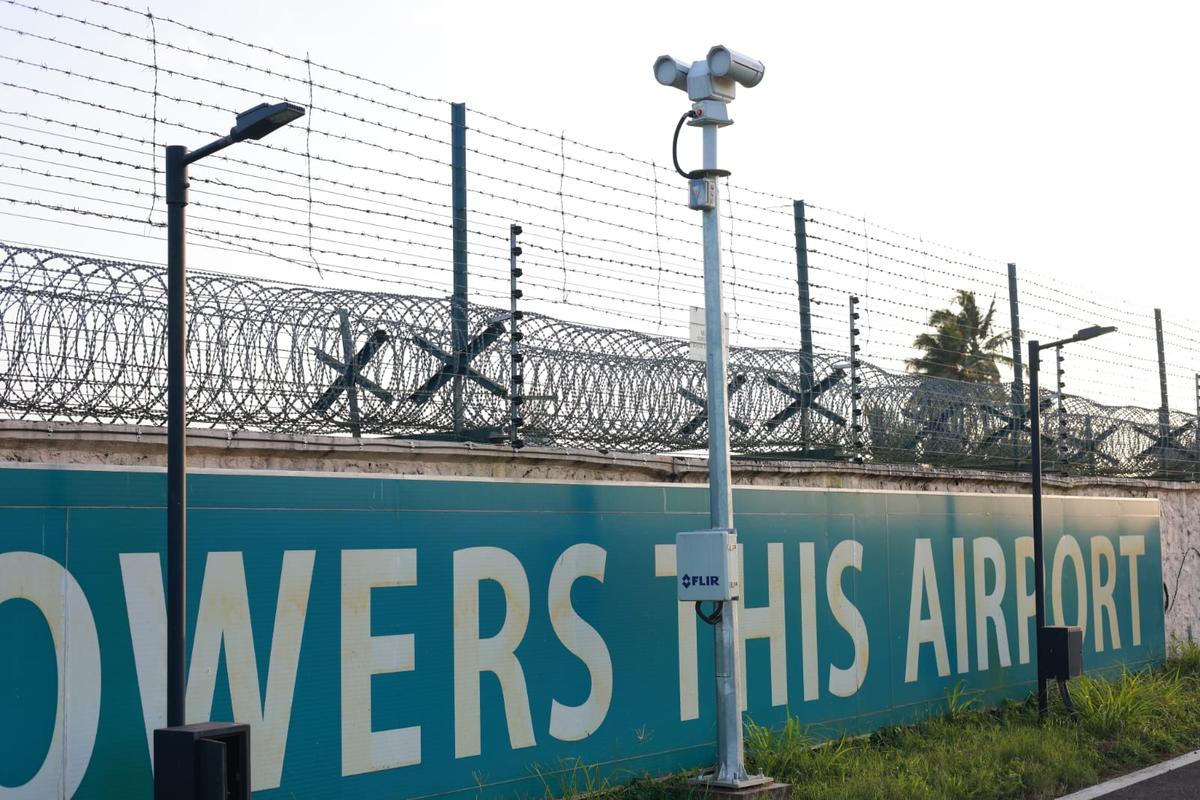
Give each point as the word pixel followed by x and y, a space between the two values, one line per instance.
pixel 516 379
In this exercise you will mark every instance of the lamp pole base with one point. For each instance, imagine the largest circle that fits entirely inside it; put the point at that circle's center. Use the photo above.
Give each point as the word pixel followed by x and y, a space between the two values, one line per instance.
pixel 758 787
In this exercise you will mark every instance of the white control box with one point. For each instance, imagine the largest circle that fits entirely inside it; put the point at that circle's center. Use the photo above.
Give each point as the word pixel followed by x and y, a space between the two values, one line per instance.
pixel 706 565
pixel 702 194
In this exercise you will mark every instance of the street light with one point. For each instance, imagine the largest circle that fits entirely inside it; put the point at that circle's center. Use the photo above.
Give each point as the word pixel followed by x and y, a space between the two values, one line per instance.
pixel 254 123
pixel 1035 470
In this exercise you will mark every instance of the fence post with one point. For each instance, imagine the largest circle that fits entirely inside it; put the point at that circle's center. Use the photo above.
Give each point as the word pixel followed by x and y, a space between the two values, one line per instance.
pixel 516 372
pixel 1164 409
pixel 806 345
pixel 1061 410
pixel 856 426
pixel 1018 383
pixel 458 301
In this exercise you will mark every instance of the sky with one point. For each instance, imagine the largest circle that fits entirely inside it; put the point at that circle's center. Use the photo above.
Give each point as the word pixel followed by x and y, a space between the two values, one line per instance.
pixel 1055 134
pixel 1059 136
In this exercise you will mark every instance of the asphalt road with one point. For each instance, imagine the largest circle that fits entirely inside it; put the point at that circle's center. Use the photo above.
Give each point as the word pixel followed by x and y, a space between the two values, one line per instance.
pixel 1178 784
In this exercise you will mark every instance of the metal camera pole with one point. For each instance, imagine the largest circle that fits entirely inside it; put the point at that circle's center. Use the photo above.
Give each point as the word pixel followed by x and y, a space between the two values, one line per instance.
pixel 731 769
pixel 710 85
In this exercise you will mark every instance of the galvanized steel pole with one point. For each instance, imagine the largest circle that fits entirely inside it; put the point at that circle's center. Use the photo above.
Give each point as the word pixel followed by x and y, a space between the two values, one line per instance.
pixel 730 759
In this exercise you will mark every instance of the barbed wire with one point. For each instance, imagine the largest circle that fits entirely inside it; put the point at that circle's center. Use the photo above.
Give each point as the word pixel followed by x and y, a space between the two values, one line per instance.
pixel 81 338
pixel 361 192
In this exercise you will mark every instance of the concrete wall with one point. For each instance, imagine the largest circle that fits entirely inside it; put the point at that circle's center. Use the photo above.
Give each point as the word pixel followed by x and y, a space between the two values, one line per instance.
pixel 123 445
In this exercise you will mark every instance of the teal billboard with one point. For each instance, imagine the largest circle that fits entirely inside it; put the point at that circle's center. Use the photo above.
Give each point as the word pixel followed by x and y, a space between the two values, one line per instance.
pixel 406 637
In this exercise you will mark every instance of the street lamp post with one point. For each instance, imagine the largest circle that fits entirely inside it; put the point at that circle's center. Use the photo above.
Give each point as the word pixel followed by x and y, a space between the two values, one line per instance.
pixel 1035 470
pixel 254 123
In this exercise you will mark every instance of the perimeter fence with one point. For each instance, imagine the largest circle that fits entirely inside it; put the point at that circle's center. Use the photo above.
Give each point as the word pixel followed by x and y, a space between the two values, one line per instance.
pixel 340 232
pixel 82 339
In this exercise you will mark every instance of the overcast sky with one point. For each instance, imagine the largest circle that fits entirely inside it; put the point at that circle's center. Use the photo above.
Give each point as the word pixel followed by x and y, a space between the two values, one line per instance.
pixel 1061 135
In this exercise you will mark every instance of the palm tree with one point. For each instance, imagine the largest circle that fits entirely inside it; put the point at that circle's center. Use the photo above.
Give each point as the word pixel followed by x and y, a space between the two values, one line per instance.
pixel 963 346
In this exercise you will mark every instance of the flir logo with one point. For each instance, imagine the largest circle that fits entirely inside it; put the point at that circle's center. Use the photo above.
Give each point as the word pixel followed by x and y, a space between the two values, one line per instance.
pixel 701 580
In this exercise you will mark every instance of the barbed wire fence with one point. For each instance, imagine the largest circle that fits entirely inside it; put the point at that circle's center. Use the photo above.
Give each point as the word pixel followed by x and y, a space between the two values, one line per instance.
pixel 338 230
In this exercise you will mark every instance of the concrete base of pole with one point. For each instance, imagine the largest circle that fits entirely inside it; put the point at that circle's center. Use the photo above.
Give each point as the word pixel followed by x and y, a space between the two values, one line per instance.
pixel 695 789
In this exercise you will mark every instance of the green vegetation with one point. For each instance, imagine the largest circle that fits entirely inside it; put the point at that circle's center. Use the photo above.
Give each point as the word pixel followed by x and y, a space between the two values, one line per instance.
pixel 962 346
pixel 1123 723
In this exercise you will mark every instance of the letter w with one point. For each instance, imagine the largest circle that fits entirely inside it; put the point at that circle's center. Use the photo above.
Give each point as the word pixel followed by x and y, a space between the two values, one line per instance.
pixel 224 617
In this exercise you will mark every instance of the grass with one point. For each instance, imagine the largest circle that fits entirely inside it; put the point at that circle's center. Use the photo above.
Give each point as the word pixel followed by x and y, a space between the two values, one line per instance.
pixel 1004 753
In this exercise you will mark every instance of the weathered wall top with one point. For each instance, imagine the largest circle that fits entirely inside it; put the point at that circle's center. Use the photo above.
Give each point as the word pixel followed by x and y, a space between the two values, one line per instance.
pixel 141 446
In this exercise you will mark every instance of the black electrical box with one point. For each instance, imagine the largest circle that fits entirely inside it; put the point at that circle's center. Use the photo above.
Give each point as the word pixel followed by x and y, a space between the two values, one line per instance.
pixel 1060 651
pixel 205 761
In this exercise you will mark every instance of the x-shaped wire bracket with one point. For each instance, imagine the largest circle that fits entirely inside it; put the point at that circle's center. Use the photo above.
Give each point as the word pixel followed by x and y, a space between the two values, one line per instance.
pixel 932 424
pixel 694 424
pixel 1015 423
pixel 350 368
pixel 1088 447
pixel 459 364
pixel 805 399
pixel 1167 444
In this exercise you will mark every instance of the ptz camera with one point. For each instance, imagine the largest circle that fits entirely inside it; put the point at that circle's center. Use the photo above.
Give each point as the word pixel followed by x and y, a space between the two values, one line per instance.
pixel 711 81
pixel 726 63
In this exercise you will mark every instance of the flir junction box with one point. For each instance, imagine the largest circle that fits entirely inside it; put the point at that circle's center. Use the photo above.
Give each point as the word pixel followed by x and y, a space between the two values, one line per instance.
pixel 706 565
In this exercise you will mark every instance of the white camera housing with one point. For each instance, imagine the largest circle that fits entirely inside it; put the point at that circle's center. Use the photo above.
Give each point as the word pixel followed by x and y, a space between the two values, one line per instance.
pixel 671 72
pixel 711 84
pixel 702 85
pixel 726 63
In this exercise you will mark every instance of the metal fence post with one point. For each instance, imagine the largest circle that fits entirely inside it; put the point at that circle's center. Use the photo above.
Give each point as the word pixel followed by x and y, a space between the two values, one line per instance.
pixel 806 345
pixel 1018 382
pixel 1196 430
pixel 458 301
pixel 1164 409
pixel 516 373
pixel 1061 410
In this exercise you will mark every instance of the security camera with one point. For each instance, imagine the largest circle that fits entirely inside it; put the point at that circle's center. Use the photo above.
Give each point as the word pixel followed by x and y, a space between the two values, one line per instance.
pixel 726 63
pixel 671 72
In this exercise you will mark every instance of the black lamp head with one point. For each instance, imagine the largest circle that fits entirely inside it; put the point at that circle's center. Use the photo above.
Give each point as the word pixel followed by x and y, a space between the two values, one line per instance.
pixel 1091 332
pixel 257 122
